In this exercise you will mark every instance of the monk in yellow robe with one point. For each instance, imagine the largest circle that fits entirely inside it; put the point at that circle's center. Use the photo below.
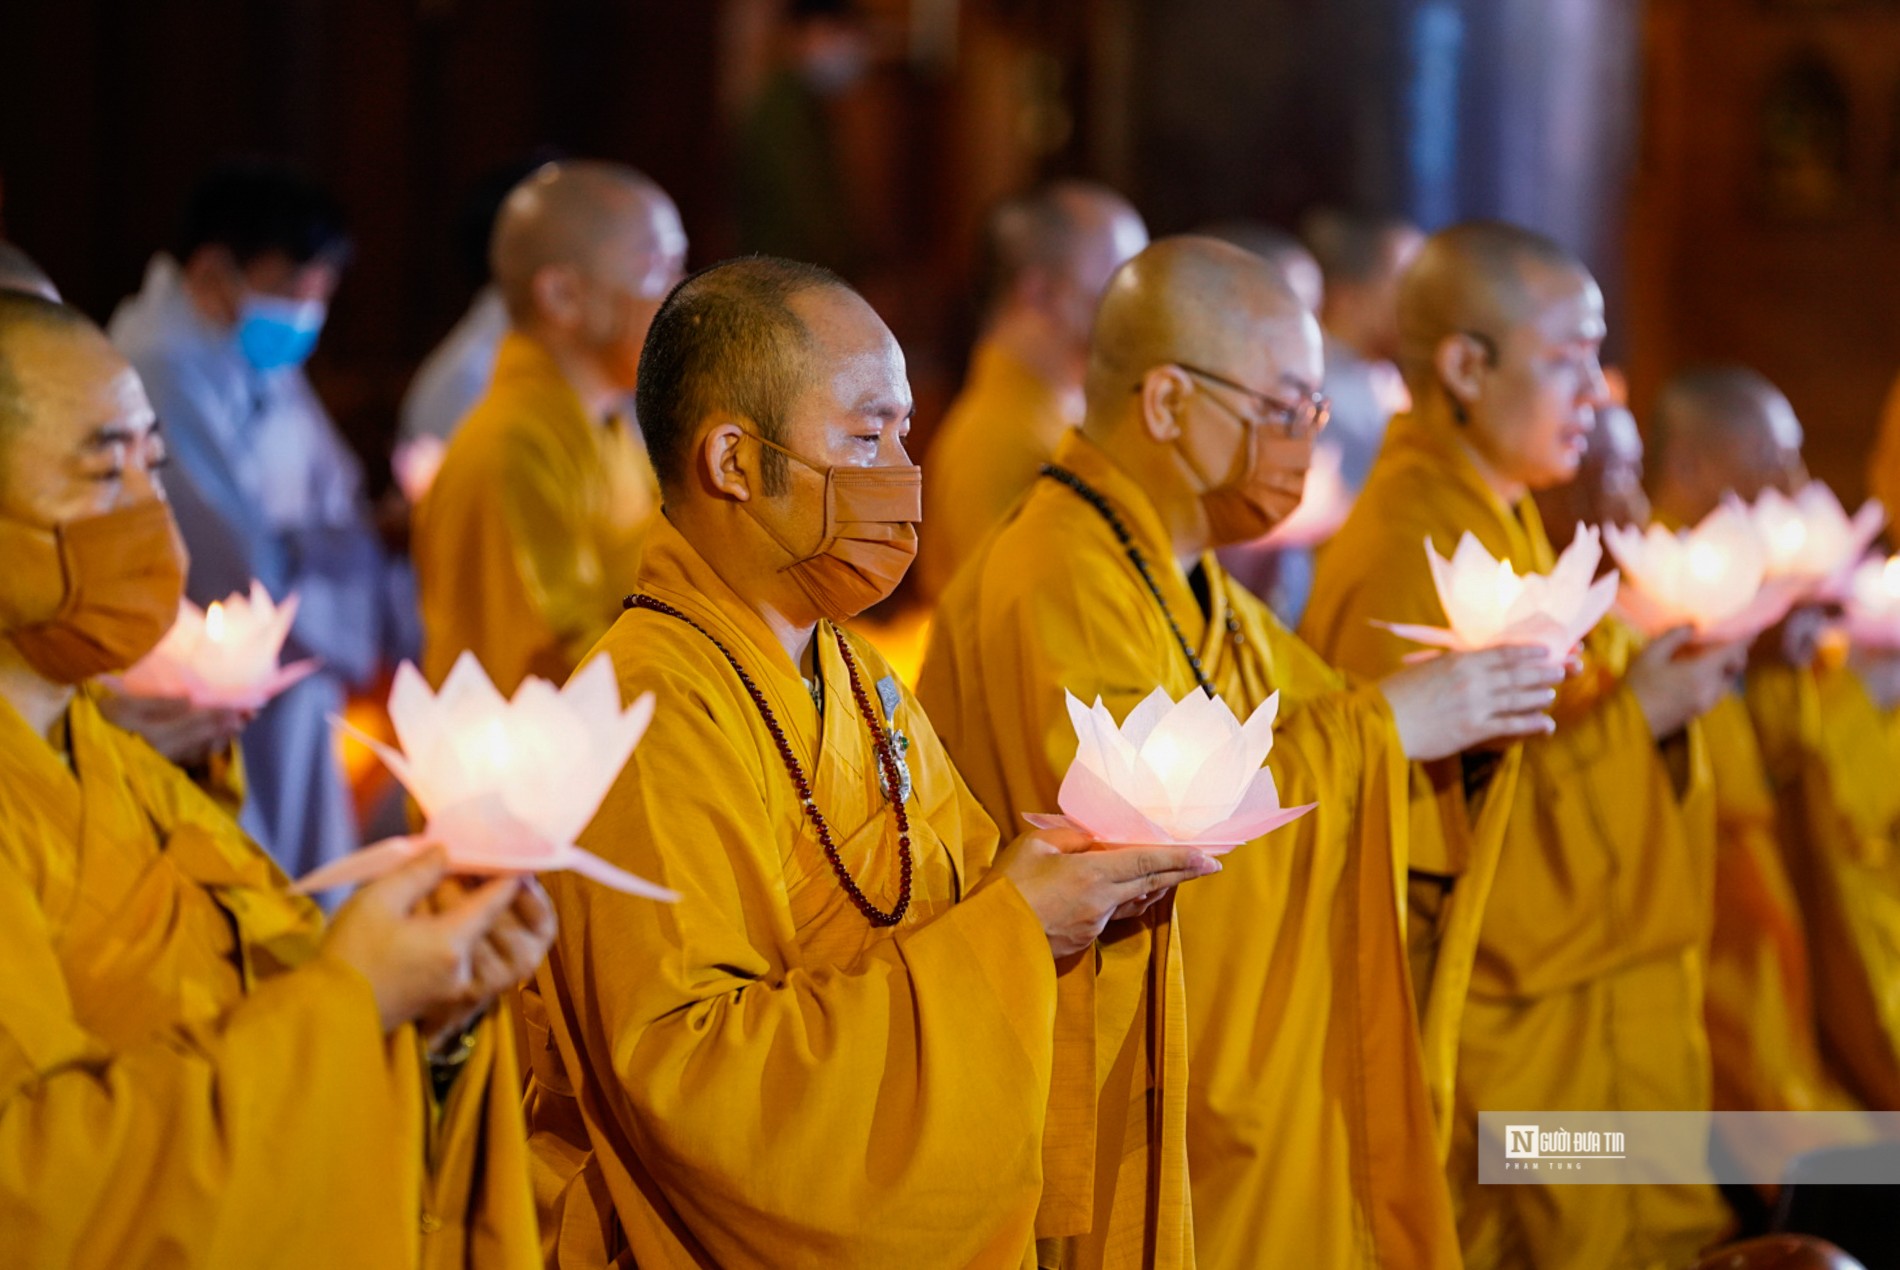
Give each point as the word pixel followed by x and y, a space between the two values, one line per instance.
pixel 530 536
pixel 193 1071
pixel 1825 744
pixel 1587 990
pixel 838 1049
pixel 1048 255
pixel 1716 431
pixel 1305 1118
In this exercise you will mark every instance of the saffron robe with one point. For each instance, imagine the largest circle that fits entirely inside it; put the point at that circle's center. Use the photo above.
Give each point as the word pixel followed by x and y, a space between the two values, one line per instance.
pixel 1305 1117
pixel 757 1076
pixel 1587 992
pixel 1000 430
pixel 1831 752
pixel 183 1080
pixel 529 538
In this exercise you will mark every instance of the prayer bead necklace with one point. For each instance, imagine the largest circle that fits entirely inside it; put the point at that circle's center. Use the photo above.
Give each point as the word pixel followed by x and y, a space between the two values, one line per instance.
pixel 880 743
pixel 1093 497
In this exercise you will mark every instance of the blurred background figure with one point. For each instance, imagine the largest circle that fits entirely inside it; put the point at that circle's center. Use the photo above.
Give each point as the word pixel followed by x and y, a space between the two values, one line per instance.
pixel 1362 258
pixel 455 374
pixel 792 199
pixel 530 538
pixel 1048 256
pixel 262 485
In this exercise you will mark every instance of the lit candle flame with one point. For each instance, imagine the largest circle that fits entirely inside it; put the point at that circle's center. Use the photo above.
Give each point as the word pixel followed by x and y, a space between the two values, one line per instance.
pixel 214 622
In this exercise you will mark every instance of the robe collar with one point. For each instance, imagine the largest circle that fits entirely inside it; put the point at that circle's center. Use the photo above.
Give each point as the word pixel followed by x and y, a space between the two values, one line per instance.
pixel 1516 527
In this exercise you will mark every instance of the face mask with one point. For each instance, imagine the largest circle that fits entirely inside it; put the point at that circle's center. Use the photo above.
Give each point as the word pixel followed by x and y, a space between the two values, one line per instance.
pixel 1263 491
pixel 273 332
pixel 91 595
pixel 869 540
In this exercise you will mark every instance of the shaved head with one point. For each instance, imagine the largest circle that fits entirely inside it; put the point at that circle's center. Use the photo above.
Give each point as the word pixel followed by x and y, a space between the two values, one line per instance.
pixel 1500 331
pixel 1188 299
pixel 19 272
pixel 77 432
pixel 28 321
pixel 1072 229
pixel 583 253
pixel 1202 384
pixel 1482 276
pixel 728 340
pixel 1722 428
pixel 1281 250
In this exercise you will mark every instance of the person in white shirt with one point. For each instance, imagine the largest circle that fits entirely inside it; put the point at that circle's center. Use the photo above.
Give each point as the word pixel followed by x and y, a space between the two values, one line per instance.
pixel 261 483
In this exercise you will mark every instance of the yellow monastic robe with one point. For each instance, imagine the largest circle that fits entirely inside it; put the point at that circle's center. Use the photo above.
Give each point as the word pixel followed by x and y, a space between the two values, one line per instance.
pixel 757 1076
pixel 1000 430
pixel 183 1081
pixel 530 537
pixel 1832 754
pixel 1759 1007
pixel 1587 993
pixel 1308 1129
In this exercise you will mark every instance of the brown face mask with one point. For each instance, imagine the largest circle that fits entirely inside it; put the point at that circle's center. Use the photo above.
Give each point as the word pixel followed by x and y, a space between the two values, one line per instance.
pixel 91 595
pixel 870 535
pixel 1268 480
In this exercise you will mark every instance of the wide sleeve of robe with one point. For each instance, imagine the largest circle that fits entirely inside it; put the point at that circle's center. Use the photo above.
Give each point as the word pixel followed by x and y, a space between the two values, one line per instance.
pixel 1299 1025
pixel 1830 753
pixel 762 1079
pixel 182 1080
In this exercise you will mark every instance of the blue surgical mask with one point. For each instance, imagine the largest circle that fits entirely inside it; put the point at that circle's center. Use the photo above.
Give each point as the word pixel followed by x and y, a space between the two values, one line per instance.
pixel 273 332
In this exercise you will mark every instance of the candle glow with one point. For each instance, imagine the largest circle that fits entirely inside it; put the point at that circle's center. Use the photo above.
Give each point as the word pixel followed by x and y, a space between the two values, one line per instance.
pixel 222 657
pixel 505 785
pixel 1487 603
pixel 1872 606
pixel 1186 773
pixel 1810 538
pixel 1714 577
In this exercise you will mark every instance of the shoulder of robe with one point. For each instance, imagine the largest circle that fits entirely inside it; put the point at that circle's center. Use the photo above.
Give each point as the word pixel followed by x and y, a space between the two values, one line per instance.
pixel 662 655
pixel 1047 562
pixel 172 799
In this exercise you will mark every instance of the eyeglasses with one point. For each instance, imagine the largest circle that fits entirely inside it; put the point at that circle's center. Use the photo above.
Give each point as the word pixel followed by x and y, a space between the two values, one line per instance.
pixel 1302 418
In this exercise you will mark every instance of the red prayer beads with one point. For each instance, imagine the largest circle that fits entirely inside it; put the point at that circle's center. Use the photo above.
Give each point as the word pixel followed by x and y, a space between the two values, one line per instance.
pixel 880 744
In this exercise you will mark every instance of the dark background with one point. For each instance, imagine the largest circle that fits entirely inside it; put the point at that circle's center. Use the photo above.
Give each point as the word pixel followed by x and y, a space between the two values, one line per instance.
pixel 1730 167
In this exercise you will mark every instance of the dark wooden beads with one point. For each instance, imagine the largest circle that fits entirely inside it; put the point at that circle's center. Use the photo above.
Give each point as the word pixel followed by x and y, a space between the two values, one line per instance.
pixel 801 784
pixel 1094 498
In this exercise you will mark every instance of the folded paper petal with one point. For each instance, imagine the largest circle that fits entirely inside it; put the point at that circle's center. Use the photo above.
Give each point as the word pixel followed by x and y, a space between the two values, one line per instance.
pixel 1091 802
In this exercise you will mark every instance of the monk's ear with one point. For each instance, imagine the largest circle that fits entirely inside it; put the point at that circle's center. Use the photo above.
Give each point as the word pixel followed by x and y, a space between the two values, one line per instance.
pixel 1164 393
pixel 1461 361
pixel 719 460
pixel 557 295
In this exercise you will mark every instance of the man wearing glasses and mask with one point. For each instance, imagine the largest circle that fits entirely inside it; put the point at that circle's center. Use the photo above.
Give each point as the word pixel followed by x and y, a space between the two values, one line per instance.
pixel 530 536
pixel 1202 410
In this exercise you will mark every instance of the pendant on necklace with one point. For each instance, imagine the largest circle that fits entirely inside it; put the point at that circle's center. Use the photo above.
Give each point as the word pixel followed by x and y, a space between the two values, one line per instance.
pixel 889 696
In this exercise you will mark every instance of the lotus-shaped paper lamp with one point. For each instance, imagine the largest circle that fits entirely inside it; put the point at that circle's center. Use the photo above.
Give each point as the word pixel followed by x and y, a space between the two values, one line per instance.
pixel 505 786
pixel 1873 604
pixel 1489 604
pixel 225 656
pixel 1184 773
pixel 1323 504
pixel 1810 538
pixel 1712 578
